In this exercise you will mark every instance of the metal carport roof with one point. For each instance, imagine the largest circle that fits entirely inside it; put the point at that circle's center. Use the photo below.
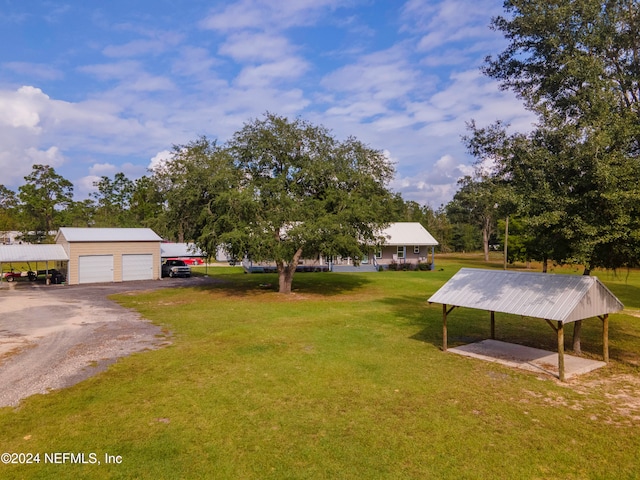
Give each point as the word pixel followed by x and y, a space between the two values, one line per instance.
pixel 564 298
pixel 561 298
pixel 180 250
pixel 32 253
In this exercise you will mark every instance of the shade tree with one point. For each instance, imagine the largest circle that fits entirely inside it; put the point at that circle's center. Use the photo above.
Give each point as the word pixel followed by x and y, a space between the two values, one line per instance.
pixel 279 190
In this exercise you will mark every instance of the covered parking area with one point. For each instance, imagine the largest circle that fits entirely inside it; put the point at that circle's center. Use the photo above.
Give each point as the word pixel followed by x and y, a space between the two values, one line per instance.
pixel 53 257
pixel 181 250
pixel 557 299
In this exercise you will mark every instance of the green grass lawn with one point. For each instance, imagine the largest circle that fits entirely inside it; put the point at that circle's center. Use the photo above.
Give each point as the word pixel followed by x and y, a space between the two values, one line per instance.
pixel 343 379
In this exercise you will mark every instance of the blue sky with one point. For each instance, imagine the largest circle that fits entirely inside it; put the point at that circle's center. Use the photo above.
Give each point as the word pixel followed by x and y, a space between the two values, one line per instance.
pixel 94 88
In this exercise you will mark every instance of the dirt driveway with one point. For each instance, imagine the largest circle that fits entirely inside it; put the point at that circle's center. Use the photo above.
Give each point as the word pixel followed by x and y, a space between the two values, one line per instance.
pixel 54 336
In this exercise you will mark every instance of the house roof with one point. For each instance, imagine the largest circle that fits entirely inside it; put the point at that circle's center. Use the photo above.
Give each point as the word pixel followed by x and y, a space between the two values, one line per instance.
pixel 180 250
pixel 408 233
pixel 72 234
pixel 32 253
pixel 565 298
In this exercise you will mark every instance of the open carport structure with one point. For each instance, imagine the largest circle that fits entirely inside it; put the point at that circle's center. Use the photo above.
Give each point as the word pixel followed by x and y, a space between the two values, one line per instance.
pixel 20 254
pixel 557 299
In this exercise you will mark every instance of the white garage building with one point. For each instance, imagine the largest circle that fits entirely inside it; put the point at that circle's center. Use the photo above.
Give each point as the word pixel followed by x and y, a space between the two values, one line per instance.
pixel 110 254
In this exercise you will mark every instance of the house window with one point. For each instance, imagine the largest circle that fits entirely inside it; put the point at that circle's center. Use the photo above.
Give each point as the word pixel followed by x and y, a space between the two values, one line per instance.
pixel 378 253
pixel 416 249
pixel 400 251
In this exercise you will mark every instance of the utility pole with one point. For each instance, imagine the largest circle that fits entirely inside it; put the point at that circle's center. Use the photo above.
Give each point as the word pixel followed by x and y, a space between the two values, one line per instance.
pixel 506 240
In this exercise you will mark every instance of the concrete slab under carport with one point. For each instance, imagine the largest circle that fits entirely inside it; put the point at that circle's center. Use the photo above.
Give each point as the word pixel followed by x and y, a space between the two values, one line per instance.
pixel 526 358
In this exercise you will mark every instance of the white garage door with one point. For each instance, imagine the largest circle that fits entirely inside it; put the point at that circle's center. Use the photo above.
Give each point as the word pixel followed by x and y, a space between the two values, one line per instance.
pixel 95 268
pixel 137 267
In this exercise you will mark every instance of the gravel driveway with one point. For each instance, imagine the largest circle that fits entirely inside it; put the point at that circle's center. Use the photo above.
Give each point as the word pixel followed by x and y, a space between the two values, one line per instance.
pixel 55 336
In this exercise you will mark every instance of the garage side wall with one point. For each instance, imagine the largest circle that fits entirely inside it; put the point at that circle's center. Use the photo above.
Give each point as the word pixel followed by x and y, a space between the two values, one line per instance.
pixel 117 249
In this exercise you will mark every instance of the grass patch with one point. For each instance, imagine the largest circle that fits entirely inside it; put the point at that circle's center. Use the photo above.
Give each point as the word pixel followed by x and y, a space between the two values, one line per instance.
pixel 342 379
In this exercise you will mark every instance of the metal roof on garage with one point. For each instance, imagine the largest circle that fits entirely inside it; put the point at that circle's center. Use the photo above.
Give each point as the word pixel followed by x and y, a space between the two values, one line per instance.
pixel 72 234
pixel 408 233
pixel 564 298
pixel 32 253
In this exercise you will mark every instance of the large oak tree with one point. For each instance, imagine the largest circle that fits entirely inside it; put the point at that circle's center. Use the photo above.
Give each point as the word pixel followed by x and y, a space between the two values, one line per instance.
pixel 280 190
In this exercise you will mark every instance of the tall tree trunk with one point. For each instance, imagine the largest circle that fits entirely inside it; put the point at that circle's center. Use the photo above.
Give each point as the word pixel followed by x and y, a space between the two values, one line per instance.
pixel 577 327
pixel 486 231
pixel 285 278
pixel 286 271
pixel 506 240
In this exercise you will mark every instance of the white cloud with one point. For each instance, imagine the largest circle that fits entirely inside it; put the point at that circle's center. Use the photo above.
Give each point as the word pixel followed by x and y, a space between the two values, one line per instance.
pixel 37 70
pixel 251 46
pixel 103 169
pixel 18 109
pixel 196 62
pixel 447 22
pixel 267 14
pixel 51 156
pixel 137 48
pixel 85 185
pixel 159 159
pixel 131 75
pixel 435 186
pixel 269 73
pixel 37 129
pixel 238 15
pixel 384 75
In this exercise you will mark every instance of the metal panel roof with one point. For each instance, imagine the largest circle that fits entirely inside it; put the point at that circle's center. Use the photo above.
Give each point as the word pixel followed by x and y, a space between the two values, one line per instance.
pixel 407 233
pixel 565 298
pixel 180 250
pixel 32 253
pixel 72 234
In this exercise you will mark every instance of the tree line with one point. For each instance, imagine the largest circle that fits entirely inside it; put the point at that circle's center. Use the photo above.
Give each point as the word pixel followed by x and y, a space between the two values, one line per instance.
pixel 45 202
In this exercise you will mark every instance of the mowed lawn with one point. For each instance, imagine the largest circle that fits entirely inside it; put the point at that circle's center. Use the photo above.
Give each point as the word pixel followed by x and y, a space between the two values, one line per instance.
pixel 343 379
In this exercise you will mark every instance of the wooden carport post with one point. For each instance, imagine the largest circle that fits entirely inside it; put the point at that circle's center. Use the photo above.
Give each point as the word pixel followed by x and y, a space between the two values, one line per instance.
pixel 445 312
pixel 560 330
pixel 444 327
pixel 605 337
pixel 561 351
pixel 493 325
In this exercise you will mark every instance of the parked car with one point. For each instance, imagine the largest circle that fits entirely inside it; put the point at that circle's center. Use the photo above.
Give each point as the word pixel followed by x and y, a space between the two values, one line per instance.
pixel 189 260
pixel 175 268
pixel 56 277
